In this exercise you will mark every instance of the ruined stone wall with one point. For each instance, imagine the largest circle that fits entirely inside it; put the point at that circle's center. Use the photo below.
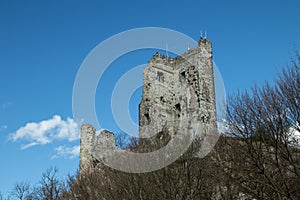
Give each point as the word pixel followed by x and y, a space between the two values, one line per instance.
pixel 105 141
pixel 87 138
pixel 91 143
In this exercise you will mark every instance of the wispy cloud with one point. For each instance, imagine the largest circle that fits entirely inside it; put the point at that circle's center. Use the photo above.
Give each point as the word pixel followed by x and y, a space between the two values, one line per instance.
pixel 5 105
pixel 68 152
pixel 3 127
pixel 46 131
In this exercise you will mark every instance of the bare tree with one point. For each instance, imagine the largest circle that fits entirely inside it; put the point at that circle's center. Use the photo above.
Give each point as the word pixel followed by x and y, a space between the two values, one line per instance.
pixel 50 187
pixel 187 178
pixel 264 158
pixel 21 190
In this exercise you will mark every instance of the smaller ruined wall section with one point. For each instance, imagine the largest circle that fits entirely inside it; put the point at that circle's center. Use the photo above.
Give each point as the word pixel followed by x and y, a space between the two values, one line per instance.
pixel 88 135
pixel 91 144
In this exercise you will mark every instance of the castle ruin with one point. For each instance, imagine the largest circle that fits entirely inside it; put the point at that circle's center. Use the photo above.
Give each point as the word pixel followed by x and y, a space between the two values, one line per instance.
pixel 172 85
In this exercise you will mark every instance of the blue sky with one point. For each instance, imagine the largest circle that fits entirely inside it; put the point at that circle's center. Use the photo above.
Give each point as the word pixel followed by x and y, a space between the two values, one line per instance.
pixel 43 43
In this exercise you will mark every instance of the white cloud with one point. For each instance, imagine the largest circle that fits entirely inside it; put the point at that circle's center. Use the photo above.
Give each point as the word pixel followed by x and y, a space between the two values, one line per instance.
pixel 46 131
pixel 69 152
pixel 2 127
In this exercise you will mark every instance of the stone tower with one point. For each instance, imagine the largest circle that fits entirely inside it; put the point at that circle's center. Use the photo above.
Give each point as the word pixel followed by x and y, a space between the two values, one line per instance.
pixel 166 82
